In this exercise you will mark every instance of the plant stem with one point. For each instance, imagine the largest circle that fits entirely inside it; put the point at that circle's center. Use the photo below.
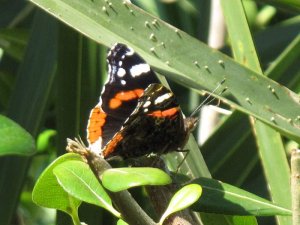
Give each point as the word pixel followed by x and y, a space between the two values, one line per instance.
pixel 160 196
pixel 131 212
pixel 295 185
pixel 75 217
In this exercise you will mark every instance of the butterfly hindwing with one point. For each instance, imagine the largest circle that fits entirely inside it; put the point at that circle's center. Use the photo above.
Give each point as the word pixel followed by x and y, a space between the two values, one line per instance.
pixel 156 125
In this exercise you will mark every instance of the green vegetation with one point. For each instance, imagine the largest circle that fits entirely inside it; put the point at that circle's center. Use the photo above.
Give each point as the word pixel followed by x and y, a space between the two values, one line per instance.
pixel 52 69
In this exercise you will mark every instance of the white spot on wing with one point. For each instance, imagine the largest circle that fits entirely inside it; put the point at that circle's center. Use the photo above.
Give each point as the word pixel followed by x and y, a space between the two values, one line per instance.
pixel 139 69
pixel 123 82
pixel 130 52
pixel 96 146
pixel 162 98
pixel 121 72
pixel 109 68
pixel 112 49
pixel 147 103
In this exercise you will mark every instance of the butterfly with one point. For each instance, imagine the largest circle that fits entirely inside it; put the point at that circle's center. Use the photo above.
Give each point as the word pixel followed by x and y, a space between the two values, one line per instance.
pixel 136 115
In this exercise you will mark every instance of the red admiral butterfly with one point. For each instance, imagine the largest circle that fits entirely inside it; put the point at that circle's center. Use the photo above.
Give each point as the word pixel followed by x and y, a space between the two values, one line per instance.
pixel 136 114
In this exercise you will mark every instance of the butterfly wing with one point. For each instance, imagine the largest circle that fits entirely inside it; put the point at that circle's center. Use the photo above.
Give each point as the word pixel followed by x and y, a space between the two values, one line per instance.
pixel 128 76
pixel 155 126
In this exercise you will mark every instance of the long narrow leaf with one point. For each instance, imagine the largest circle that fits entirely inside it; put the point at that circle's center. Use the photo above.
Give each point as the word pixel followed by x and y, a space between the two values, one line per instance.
pixel 219 197
pixel 269 141
pixel 181 57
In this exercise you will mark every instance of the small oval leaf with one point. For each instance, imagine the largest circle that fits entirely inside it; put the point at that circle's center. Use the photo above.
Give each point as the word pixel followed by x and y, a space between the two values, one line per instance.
pixel 48 193
pixel 182 199
pixel 78 180
pixel 14 140
pixel 45 140
pixel 219 197
pixel 124 178
pixel 121 222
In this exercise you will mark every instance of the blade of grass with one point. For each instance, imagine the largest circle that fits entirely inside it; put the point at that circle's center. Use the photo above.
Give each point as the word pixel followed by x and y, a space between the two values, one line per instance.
pixel 68 85
pixel 268 47
pixel 269 141
pixel 27 106
pixel 6 86
pixel 290 55
pixel 293 5
pixel 237 145
pixel 14 41
pixel 8 10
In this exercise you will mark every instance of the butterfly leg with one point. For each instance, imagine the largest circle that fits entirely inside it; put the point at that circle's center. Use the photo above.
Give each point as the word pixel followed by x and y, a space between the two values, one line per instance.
pixel 186 151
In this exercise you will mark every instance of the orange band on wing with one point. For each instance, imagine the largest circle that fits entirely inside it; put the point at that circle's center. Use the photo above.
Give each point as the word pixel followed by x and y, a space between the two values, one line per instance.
pixel 128 95
pixel 124 96
pixel 96 122
pixel 165 113
pixel 110 147
pixel 115 103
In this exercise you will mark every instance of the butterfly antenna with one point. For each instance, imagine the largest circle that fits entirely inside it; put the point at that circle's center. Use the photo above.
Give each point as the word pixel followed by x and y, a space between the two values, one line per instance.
pixel 207 100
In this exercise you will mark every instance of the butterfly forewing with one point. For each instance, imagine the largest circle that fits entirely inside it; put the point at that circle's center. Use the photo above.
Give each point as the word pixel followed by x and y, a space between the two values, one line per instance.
pixel 128 76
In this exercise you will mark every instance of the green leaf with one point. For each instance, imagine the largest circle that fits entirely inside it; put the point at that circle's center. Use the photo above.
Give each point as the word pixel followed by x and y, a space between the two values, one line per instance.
pixel 244 220
pixel 79 181
pixel 14 140
pixel 6 86
pixel 182 199
pixel 69 77
pixel 48 193
pixel 44 140
pixel 121 222
pixel 124 178
pixel 266 138
pixel 293 5
pixel 14 41
pixel 284 62
pixel 237 145
pixel 182 58
pixel 217 219
pixel 219 197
